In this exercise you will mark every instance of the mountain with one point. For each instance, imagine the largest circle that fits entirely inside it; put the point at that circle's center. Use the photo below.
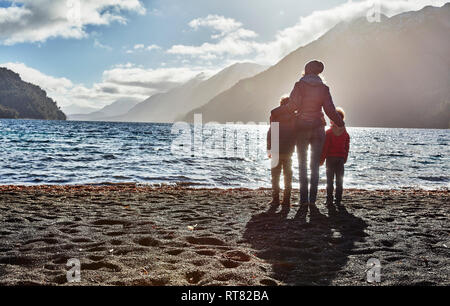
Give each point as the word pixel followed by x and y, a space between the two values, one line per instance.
pixel 19 99
pixel 119 107
pixel 75 109
pixel 394 73
pixel 174 104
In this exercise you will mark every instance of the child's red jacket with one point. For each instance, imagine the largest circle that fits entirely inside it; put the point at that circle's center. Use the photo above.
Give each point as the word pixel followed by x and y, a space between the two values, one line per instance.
pixel 337 144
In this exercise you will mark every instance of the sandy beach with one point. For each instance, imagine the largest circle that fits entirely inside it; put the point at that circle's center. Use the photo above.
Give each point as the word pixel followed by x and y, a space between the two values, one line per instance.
pixel 142 235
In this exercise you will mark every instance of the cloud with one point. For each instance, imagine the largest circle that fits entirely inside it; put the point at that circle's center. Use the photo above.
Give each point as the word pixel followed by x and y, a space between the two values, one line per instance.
pixel 160 79
pixel 232 41
pixel 39 20
pixel 216 22
pixel 98 44
pixel 142 47
pixel 153 47
pixel 122 81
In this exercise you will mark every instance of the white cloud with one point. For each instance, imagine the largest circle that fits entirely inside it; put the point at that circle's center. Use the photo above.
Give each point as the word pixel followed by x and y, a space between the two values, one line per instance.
pixel 231 34
pixel 13 14
pixel 153 47
pixel 216 22
pixel 98 44
pixel 154 12
pixel 142 47
pixel 39 20
pixel 234 41
pixel 159 79
pixel 122 81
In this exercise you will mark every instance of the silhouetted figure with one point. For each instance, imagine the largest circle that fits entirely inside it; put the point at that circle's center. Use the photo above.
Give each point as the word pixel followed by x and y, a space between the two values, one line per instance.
pixel 284 156
pixel 335 152
pixel 309 96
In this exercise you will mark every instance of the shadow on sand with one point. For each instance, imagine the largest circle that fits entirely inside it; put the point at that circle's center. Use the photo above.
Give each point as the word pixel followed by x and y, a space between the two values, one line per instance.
pixel 309 249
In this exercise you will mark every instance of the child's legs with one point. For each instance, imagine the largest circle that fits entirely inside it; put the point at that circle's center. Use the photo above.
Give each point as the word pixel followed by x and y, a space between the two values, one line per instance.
pixel 339 178
pixel 330 178
pixel 276 172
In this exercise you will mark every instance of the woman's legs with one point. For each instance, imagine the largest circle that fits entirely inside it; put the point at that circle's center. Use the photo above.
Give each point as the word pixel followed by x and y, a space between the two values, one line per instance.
pixel 302 150
pixel 317 141
pixel 314 138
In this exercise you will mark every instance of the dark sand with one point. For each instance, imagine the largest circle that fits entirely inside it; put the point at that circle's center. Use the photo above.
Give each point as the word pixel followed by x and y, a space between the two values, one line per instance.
pixel 128 235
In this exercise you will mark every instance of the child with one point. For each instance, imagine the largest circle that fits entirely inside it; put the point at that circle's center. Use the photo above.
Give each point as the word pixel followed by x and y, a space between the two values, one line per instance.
pixel 335 151
pixel 286 148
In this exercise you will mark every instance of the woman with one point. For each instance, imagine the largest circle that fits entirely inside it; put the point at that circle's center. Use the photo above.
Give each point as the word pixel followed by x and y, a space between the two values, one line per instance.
pixel 309 96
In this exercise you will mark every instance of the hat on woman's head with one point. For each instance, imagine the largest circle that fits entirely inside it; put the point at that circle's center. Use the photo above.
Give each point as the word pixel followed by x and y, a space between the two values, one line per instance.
pixel 314 67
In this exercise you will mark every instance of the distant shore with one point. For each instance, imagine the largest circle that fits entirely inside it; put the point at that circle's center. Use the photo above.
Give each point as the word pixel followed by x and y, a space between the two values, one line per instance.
pixel 125 234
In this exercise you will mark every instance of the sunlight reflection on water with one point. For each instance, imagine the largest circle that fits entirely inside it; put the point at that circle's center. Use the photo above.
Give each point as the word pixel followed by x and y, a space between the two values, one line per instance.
pixel 53 152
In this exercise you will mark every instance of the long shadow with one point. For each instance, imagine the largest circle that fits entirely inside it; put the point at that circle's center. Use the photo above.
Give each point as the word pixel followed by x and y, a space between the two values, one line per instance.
pixel 309 249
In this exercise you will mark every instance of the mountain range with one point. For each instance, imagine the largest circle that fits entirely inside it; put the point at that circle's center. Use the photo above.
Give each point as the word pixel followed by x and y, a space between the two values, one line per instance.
pixel 116 108
pixel 174 104
pixel 75 109
pixel 393 73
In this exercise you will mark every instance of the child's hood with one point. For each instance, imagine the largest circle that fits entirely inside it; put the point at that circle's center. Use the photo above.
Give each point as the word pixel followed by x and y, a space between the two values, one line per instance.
pixel 313 80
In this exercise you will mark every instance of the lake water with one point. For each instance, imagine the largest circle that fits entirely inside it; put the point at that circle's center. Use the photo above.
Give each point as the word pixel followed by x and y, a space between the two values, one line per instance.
pixel 70 152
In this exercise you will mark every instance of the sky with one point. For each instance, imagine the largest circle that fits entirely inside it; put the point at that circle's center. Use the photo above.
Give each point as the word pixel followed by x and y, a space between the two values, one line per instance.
pixel 91 53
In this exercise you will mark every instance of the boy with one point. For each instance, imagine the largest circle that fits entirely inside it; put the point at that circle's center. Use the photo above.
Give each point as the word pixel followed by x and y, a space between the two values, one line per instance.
pixel 335 151
pixel 286 148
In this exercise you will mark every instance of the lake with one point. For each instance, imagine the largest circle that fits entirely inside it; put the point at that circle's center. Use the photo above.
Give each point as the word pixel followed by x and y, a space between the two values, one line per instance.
pixel 224 156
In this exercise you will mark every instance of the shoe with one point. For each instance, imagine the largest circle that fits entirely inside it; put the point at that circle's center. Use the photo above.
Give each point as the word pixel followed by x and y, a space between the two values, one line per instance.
pixel 275 200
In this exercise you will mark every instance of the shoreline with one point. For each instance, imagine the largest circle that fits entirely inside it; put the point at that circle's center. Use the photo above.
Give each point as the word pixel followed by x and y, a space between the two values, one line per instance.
pixel 249 123
pixel 196 186
pixel 125 234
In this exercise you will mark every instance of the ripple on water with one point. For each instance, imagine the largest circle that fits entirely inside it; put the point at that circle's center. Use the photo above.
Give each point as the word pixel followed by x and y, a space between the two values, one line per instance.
pixel 39 152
